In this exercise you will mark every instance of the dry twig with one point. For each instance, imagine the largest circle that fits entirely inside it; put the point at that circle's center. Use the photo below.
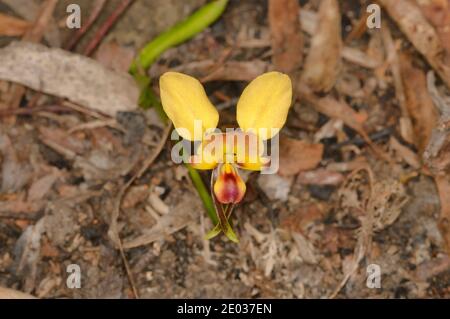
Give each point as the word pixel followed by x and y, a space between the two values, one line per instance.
pixel 120 9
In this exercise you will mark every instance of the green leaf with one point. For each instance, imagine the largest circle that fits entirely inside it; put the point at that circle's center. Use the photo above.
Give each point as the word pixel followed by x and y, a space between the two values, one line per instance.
pixel 213 232
pixel 179 33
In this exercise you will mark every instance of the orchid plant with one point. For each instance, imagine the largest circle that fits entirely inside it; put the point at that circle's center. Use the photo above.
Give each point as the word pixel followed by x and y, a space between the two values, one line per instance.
pixel 261 112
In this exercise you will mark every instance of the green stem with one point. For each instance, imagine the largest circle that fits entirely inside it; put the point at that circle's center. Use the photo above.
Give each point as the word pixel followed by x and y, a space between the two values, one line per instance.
pixel 203 193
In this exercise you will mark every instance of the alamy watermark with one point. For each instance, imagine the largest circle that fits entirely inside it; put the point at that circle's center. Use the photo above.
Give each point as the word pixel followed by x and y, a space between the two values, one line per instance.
pixel 74 279
pixel 373 276
pixel 73 21
pixel 374 19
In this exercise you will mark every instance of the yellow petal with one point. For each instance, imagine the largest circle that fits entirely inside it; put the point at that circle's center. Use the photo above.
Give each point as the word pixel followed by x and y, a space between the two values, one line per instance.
pixel 198 162
pixel 264 104
pixel 185 101
pixel 254 163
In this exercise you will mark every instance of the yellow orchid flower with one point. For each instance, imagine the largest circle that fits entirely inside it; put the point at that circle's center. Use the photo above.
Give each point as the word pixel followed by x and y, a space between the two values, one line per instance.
pixel 261 112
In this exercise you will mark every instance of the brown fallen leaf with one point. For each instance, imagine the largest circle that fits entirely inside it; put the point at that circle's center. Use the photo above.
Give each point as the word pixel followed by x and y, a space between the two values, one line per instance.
pixel 14 172
pixel 297 156
pixel 287 40
pixel 438 13
pixel 420 32
pixel 6 293
pixel 47 249
pixel 19 206
pixel 135 195
pixel 306 250
pixel 114 56
pixel 303 217
pixel 68 75
pixel 418 102
pixel 61 220
pixel 320 177
pixel 42 186
pixel 28 256
pixel 12 26
pixel 322 64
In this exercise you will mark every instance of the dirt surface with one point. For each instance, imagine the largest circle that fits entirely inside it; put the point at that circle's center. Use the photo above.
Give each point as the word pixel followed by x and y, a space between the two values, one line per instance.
pixel 359 183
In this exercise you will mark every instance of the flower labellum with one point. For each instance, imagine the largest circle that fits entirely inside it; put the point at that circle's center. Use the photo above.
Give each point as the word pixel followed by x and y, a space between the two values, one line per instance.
pixel 229 187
